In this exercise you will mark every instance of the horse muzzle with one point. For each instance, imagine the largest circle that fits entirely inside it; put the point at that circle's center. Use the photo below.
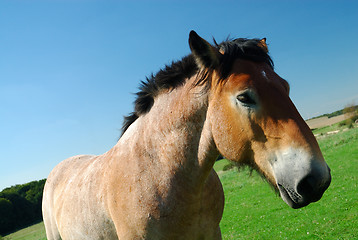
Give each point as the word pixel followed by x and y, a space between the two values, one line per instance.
pixel 309 189
pixel 300 178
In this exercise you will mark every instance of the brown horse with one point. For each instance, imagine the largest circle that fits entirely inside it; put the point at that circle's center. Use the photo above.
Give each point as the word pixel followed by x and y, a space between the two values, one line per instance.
pixel 158 181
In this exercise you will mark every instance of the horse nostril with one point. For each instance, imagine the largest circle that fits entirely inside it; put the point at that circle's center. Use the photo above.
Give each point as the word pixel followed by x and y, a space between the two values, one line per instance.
pixel 312 188
pixel 306 187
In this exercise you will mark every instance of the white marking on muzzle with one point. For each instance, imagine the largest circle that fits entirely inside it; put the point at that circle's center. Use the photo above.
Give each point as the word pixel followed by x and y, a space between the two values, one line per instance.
pixel 290 163
pixel 291 166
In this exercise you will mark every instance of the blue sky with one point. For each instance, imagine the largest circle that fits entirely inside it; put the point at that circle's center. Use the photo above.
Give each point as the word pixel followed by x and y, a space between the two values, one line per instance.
pixel 68 69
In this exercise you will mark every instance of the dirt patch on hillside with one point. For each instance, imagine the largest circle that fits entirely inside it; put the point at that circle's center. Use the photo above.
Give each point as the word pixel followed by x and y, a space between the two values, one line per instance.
pixel 325 121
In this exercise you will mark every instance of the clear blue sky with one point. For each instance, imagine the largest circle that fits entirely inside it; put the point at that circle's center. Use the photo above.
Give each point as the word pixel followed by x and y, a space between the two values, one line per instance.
pixel 68 69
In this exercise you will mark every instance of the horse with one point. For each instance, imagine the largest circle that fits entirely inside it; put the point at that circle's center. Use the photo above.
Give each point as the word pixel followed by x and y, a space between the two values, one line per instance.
pixel 158 181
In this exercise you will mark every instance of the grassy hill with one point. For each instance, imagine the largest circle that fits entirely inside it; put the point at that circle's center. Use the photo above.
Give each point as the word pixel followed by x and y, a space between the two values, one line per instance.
pixel 35 232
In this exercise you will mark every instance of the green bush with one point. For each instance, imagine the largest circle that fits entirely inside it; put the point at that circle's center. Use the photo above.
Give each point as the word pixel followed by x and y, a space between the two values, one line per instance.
pixel 355 117
pixel 341 124
pixel 349 122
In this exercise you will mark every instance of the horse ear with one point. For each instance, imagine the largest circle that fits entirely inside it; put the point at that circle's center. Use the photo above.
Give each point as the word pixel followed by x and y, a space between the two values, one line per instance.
pixel 262 44
pixel 205 54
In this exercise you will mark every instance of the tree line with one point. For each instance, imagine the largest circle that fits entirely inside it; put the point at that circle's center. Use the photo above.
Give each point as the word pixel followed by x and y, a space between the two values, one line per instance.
pixel 20 206
pixel 349 108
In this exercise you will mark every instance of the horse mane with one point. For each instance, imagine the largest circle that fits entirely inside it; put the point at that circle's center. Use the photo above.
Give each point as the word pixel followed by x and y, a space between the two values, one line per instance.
pixel 176 74
pixel 168 78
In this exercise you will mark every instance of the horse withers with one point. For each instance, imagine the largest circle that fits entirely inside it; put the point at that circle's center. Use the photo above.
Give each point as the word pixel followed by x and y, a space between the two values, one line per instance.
pixel 158 181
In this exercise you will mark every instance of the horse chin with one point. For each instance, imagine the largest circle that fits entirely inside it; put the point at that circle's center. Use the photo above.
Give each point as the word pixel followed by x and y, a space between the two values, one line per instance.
pixel 291 197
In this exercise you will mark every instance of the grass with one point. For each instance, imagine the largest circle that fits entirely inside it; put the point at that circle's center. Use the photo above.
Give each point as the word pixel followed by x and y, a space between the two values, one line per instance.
pixel 337 126
pixel 254 211
pixel 34 232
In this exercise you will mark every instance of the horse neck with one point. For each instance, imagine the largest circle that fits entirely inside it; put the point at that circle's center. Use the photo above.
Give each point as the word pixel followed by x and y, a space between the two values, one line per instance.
pixel 176 134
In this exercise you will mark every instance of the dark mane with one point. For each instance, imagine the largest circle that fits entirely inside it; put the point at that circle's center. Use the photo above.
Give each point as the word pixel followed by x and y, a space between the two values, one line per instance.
pixel 168 78
pixel 176 74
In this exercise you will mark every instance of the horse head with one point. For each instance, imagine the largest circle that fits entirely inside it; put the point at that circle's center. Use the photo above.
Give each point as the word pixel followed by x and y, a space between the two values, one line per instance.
pixel 254 122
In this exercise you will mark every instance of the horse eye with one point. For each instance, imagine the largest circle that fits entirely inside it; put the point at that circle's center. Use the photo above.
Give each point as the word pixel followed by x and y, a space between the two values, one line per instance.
pixel 246 99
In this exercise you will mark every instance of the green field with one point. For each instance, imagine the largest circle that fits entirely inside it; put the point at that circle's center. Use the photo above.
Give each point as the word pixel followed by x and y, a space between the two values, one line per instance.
pixel 254 211
pixel 35 232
